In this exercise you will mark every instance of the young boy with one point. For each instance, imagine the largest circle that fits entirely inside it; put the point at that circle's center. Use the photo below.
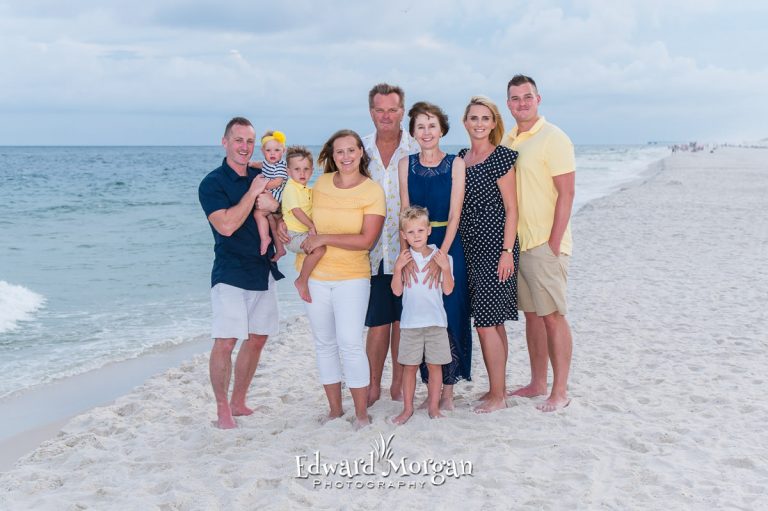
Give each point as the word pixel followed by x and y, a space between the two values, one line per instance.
pixel 297 214
pixel 423 323
pixel 272 168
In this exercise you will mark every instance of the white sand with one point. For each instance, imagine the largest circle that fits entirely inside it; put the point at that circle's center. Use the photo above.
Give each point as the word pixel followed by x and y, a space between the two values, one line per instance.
pixel 668 292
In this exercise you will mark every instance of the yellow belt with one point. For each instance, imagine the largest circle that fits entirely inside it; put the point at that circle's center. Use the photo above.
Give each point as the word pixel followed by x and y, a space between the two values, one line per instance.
pixel 438 224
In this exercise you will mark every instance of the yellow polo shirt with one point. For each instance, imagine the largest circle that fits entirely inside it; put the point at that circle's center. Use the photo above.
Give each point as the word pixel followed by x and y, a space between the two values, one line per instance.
pixel 341 211
pixel 296 195
pixel 544 151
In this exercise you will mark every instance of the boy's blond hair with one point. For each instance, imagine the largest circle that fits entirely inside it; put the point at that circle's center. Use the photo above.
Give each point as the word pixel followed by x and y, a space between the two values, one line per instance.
pixel 298 151
pixel 413 213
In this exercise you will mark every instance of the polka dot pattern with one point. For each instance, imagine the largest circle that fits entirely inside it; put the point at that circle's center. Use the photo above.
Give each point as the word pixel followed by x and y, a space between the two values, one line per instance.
pixel 482 231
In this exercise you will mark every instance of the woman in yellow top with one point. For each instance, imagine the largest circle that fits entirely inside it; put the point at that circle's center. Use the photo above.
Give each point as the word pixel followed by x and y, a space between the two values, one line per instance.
pixel 348 210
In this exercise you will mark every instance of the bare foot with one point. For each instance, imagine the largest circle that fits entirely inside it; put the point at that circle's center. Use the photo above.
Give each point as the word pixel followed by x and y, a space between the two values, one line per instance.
pixel 484 396
pixel 279 252
pixel 224 417
pixel 328 418
pixel 552 404
pixel 303 287
pixel 238 410
pixel 225 423
pixel 435 414
pixel 528 391
pixel 361 423
pixel 446 403
pixel 490 405
pixel 265 241
pixel 396 393
pixel 403 417
pixel 374 393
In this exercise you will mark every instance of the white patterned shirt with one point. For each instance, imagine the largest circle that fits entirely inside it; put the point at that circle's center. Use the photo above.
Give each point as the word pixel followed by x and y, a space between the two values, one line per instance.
pixel 387 247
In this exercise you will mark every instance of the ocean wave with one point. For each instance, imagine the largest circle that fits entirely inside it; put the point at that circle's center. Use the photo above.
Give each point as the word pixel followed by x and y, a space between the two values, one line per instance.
pixel 57 364
pixel 17 303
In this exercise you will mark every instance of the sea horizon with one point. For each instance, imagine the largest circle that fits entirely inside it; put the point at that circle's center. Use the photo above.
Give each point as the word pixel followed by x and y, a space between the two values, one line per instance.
pixel 112 258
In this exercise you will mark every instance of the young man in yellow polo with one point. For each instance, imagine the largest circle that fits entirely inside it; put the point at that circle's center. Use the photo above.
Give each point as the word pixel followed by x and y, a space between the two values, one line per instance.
pixel 545 189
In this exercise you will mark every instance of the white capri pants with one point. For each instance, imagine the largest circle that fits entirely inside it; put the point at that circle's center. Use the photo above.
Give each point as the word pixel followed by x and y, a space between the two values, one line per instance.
pixel 337 318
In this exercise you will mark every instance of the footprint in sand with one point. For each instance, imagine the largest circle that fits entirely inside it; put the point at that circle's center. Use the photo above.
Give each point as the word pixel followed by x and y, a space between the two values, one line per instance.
pixel 637 446
pixel 739 462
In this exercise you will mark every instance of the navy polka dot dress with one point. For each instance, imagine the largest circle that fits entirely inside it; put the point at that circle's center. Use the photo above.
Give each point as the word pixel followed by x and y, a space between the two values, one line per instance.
pixel 482 231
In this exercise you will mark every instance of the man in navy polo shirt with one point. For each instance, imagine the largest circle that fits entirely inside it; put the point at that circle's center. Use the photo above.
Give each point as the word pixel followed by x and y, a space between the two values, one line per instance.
pixel 243 288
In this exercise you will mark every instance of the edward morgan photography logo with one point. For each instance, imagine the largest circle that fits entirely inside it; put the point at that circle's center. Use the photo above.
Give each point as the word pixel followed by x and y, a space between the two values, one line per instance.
pixel 380 469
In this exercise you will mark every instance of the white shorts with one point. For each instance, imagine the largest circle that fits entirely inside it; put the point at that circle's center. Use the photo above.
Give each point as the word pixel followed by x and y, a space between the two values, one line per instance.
pixel 297 238
pixel 238 312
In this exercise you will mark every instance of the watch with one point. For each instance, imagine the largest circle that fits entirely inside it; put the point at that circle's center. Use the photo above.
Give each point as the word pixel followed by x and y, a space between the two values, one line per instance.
pixel 508 250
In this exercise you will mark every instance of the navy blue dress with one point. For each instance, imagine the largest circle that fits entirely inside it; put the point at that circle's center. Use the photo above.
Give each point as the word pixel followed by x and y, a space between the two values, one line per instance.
pixel 430 187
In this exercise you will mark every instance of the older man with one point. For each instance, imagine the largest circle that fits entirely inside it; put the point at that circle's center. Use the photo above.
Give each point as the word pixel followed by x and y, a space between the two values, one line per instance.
pixel 243 289
pixel 386 146
pixel 545 189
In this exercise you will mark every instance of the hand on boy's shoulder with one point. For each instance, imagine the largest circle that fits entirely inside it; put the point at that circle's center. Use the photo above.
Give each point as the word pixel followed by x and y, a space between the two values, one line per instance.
pixel 403 258
pixel 441 259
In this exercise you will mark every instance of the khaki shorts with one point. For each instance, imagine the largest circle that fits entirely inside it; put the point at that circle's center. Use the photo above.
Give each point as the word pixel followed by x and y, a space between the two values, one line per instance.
pixel 541 282
pixel 428 343
pixel 297 238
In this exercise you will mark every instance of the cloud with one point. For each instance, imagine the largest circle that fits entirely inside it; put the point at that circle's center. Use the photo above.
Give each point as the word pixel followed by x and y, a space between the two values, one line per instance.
pixel 307 66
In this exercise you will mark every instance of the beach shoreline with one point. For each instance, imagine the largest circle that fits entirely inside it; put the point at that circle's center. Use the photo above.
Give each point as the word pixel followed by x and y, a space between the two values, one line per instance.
pixel 25 432
pixel 666 292
pixel 107 383
pixel 34 415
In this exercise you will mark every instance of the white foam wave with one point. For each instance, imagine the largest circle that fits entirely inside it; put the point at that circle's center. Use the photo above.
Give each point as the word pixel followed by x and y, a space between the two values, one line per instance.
pixel 17 303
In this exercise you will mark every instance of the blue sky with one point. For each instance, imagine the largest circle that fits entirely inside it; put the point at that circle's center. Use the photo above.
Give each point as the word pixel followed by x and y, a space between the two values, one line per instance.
pixel 89 72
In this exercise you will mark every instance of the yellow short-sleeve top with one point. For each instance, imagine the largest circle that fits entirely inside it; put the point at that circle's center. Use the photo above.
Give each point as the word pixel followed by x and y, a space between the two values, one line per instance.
pixel 296 195
pixel 544 152
pixel 340 211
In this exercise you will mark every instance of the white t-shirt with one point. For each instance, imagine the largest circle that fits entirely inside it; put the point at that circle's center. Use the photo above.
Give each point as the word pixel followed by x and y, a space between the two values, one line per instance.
pixel 423 306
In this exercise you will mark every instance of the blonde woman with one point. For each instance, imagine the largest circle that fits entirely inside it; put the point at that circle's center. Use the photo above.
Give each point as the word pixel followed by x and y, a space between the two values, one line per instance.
pixel 488 228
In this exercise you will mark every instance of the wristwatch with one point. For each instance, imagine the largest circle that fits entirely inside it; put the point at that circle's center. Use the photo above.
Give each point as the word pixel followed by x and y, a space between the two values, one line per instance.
pixel 508 250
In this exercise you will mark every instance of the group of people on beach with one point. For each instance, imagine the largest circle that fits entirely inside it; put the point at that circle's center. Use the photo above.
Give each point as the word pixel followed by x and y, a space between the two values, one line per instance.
pixel 404 239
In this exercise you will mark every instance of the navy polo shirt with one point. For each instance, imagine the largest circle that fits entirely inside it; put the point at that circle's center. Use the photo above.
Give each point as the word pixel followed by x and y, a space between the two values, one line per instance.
pixel 237 260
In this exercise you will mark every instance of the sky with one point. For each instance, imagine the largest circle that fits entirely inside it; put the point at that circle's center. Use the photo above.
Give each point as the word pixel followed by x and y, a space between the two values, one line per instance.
pixel 173 72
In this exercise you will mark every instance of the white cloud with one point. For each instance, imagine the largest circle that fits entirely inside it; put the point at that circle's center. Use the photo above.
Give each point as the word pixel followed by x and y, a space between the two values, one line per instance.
pixel 307 66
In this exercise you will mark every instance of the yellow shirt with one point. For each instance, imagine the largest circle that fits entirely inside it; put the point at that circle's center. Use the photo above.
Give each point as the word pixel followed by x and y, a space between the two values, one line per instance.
pixel 296 195
pixel 544 152
pixel 341 211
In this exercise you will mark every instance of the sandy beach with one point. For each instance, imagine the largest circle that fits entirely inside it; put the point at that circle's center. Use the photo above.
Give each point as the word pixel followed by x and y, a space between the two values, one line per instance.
pixel 667 292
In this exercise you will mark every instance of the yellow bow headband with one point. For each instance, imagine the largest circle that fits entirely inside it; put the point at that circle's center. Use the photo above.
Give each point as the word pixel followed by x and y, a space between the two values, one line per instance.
pixel 276 135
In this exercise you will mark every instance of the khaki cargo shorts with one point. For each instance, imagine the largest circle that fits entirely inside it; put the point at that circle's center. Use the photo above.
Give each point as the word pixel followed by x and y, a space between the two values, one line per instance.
pixel 542 280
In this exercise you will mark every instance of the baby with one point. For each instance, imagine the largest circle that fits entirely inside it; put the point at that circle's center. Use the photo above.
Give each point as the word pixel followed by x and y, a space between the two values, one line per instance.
pixel 273 168
pixel 297 214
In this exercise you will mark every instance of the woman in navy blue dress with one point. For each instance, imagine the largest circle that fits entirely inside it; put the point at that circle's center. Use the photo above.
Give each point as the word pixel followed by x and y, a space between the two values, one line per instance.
pixel 435 180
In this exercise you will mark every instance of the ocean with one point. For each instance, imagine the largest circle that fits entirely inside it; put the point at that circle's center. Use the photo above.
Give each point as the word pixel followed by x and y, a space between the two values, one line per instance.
pixel 105 253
